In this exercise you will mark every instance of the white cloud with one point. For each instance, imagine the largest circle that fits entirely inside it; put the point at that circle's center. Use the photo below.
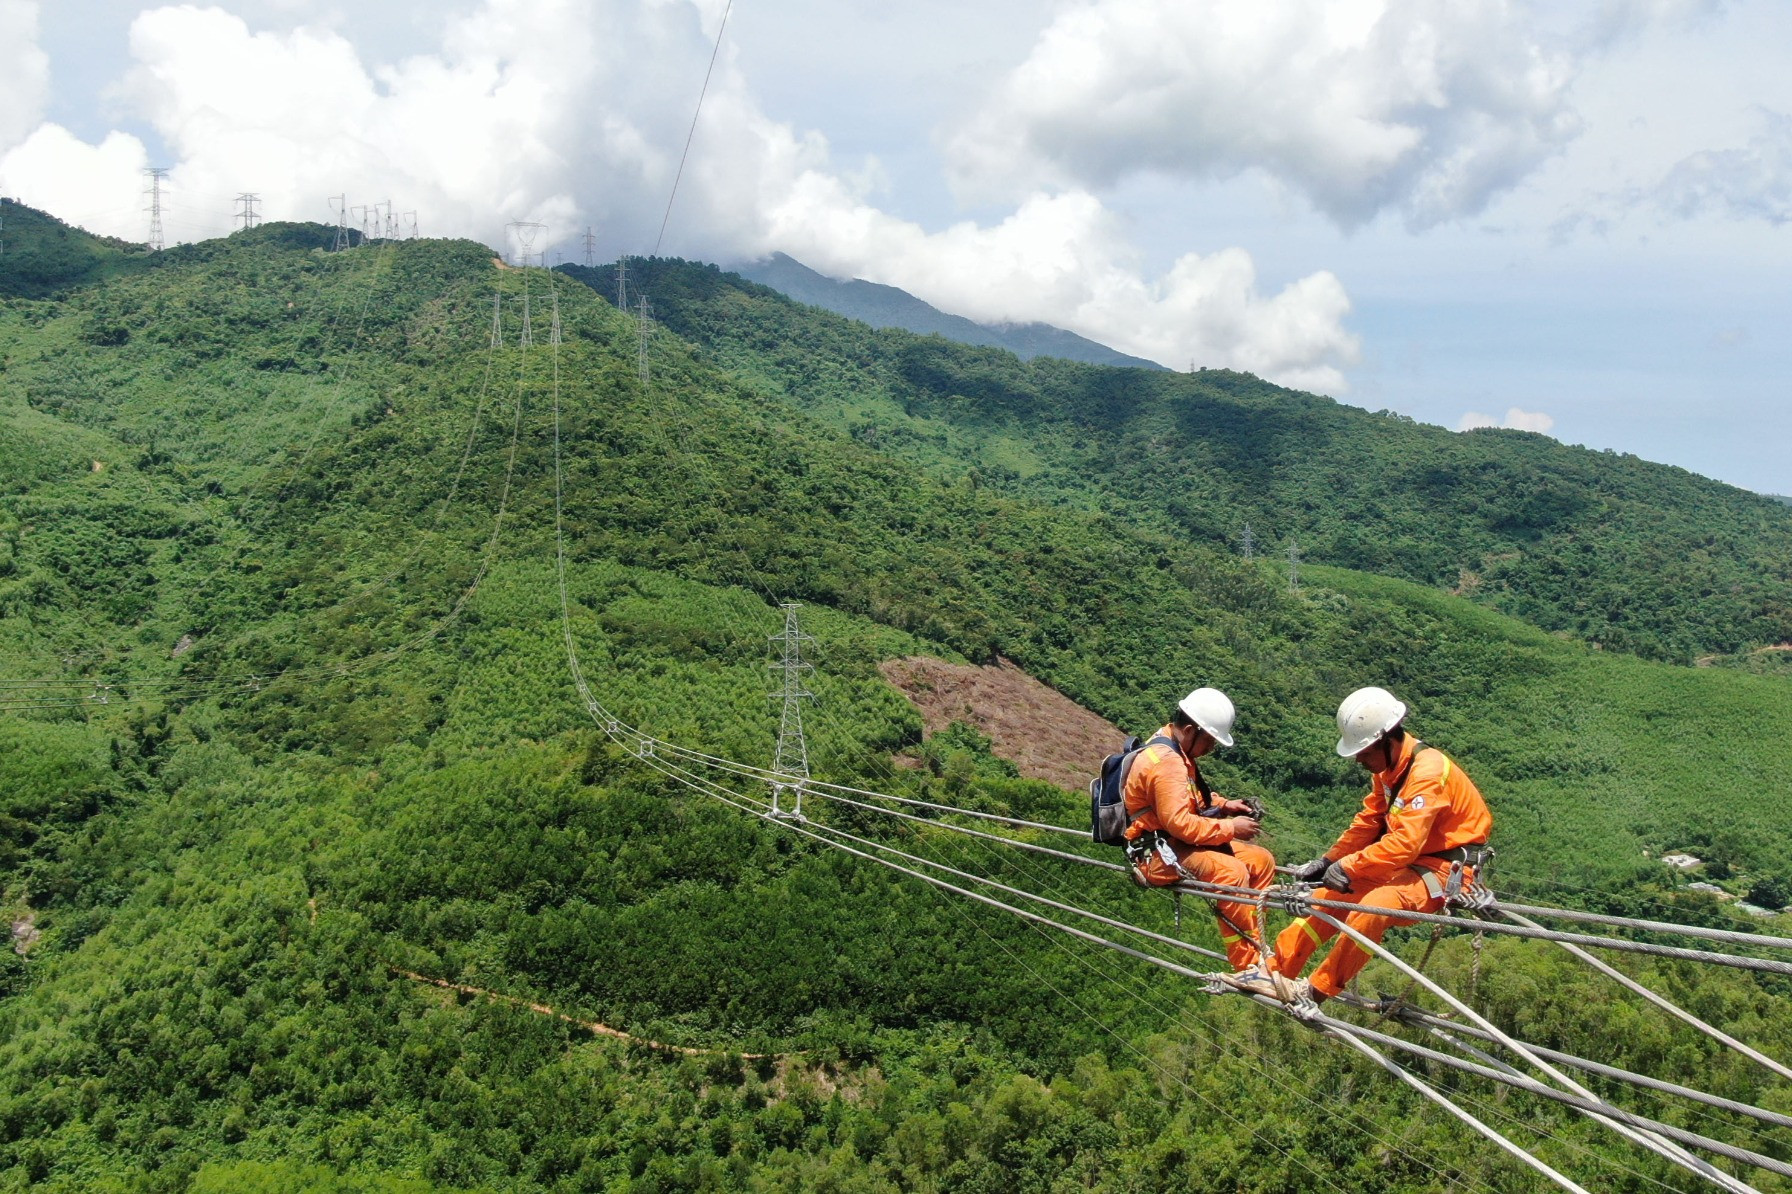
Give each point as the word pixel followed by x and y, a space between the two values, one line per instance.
pixel 1516 420
pixel 58 172
pixel 24 72
pixel 539 109
pixel 1062 259
pixel 1429 109
pixel 1750 183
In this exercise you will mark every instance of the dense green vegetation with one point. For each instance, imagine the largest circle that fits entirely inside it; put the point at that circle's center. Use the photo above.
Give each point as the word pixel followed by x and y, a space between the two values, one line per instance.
pixel 45 256
pixel 1620 552
pixel 257 493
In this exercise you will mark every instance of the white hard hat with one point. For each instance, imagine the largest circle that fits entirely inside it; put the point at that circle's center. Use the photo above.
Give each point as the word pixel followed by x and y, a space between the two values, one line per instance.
pixel 1212 710
pixel 1364 717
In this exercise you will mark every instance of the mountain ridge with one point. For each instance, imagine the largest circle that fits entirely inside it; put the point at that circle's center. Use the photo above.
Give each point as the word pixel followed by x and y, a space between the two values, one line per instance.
pixel 884 306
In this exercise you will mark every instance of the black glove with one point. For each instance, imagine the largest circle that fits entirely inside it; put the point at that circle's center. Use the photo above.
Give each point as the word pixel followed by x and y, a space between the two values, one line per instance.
pixel 1309 872
pixel 1336 877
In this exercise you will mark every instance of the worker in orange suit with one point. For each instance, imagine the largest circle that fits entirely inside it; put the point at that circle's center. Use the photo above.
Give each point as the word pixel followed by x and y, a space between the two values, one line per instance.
pixel 1181 829
pixel 1422 817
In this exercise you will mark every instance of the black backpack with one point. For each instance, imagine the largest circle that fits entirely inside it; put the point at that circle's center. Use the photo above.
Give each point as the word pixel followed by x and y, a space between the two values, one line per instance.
pixel 1108 820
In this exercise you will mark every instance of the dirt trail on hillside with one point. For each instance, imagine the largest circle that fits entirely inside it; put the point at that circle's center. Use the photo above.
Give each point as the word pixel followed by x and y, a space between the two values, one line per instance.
pixel 542 1009
pixel 1040 730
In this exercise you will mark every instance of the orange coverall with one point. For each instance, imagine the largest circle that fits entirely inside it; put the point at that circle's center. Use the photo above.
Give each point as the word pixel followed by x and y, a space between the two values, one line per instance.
pixel 1162 794
pixel 1385 849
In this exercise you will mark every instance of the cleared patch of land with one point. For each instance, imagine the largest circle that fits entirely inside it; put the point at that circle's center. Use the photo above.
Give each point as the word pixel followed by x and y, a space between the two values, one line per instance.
pixel 1040 730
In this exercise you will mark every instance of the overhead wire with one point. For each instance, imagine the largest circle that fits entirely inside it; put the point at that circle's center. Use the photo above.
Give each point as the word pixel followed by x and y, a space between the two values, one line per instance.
pixel 1661 1001
pixel 1420 1018
pixel 1345 905
pixel 989 836
pixel 1588 1104
pixel 691 135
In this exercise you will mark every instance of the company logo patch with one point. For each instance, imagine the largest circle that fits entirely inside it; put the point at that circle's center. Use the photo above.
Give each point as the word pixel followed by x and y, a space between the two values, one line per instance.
pixel 1417 802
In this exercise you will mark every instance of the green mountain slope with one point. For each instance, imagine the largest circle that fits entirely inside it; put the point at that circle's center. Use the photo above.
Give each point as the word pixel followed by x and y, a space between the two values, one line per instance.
pixel 42 255
pixel 1614 550
pixel 341 744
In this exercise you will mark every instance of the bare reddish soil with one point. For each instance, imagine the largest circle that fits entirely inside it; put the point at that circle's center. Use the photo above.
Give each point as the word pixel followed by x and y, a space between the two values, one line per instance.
pixel 1041 731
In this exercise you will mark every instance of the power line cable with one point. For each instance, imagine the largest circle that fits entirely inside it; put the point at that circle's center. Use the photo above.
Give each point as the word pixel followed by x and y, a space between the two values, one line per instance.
pixel 689 136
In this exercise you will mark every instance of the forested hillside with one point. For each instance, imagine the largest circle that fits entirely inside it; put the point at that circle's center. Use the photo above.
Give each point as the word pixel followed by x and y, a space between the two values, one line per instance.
pixel 286 717
pixel 1614 550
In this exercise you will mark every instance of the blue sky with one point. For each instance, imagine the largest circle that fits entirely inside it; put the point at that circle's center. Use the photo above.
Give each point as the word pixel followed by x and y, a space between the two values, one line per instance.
pixel 1571 217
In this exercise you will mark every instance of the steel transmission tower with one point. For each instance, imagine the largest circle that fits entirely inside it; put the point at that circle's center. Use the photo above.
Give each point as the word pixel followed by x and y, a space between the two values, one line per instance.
pixel 340 203
pixel 526 233
pixel 590 247
pixel 528 334
pixel 497 321
pixel 643 321
pixel 1293 565
pixel 791 763
pixel 554 323
pixel 246 203
pixel 622 283
pixel 1249 542
pixel 155 175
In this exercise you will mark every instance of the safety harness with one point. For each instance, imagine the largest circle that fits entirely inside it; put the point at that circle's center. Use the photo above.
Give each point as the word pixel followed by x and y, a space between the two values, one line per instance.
pixel 1159 842
pixel 1469 856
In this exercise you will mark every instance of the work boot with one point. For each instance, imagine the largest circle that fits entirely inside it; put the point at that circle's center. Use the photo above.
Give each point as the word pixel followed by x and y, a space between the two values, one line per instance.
pixel 1254 980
